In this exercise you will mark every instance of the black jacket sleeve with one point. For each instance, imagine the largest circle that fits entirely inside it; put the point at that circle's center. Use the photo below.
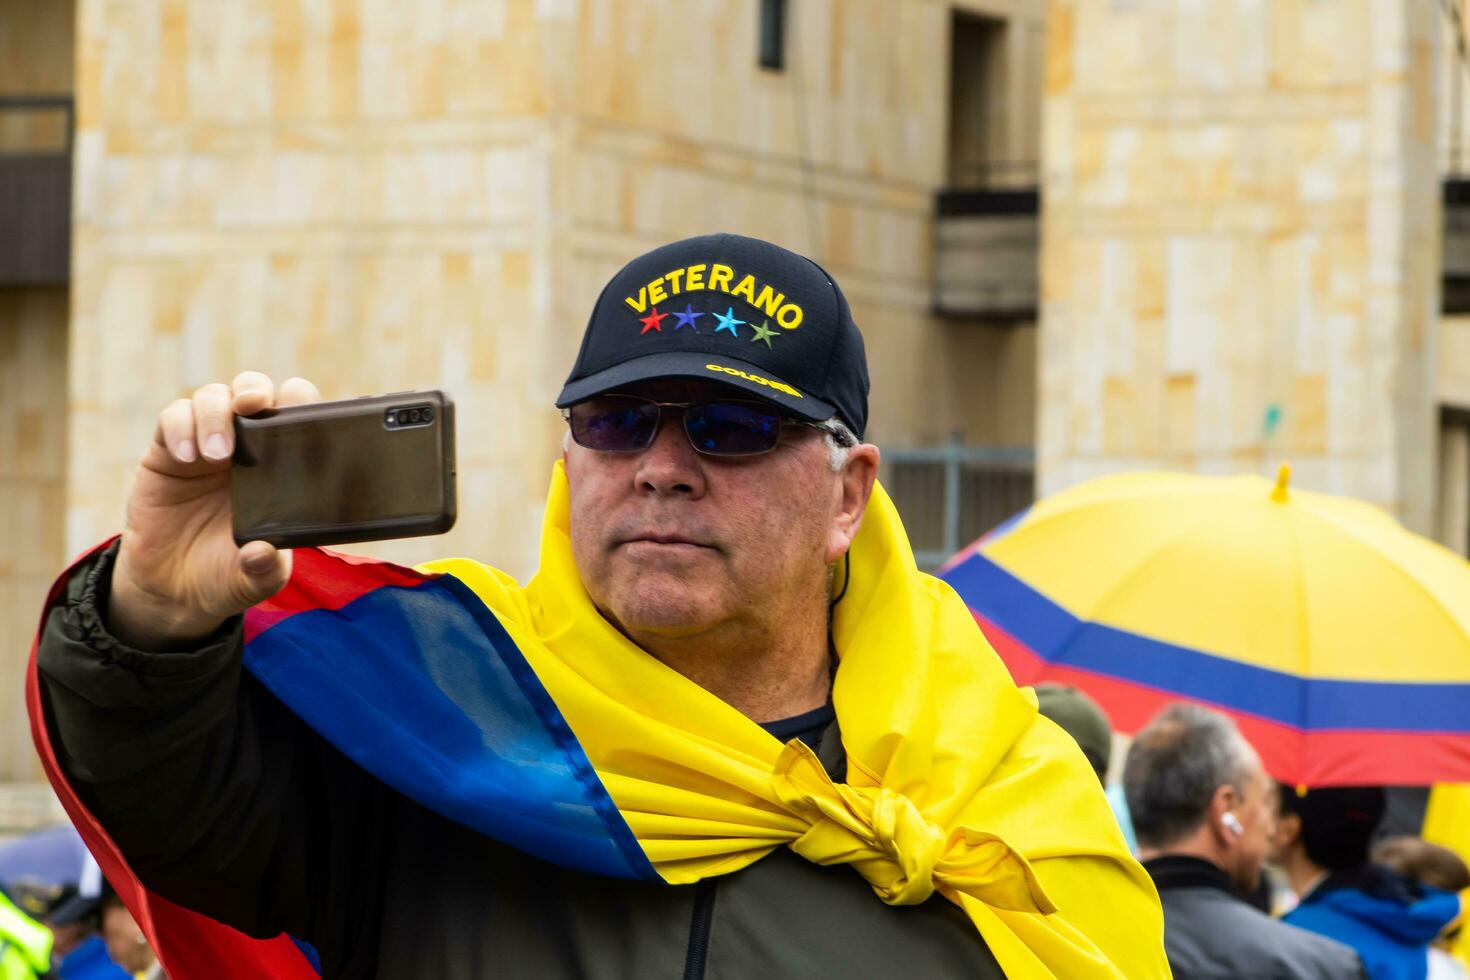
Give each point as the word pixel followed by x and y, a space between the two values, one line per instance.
pixel 221 799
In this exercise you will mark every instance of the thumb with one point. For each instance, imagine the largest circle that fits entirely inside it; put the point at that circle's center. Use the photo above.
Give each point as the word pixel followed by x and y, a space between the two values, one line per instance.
pixel 264 569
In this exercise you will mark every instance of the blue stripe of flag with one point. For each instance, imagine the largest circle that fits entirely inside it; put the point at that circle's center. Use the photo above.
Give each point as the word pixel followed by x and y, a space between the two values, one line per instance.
pixel 424 689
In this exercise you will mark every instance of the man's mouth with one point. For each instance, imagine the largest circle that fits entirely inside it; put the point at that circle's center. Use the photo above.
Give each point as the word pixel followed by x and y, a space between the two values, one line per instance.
pixel 664 540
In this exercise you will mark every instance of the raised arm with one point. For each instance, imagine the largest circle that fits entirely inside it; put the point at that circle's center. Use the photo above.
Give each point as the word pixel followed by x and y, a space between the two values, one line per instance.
pixel 219 797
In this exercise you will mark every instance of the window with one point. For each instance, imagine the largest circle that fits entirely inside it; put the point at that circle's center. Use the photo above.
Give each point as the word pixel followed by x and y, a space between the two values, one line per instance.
pixel 978 103
pixel 772 34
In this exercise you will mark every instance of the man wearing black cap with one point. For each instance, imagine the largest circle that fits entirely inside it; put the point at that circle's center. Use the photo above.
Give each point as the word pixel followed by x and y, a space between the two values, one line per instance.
pixel 1323 837
pixel 714 480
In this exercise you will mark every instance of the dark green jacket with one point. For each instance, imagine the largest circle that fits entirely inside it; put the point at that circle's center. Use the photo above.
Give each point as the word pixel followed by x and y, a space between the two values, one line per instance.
pixel 224 801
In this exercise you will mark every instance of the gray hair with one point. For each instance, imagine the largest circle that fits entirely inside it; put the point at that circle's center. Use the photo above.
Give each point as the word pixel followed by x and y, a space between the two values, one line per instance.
pixel 840 440
pixel 1174 767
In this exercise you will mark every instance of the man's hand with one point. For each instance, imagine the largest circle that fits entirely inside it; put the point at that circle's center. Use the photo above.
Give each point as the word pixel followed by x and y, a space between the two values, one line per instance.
pixel 179 573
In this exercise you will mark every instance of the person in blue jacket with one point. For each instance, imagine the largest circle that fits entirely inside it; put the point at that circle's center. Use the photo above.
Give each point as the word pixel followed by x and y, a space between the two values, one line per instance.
pixel 80 952
pixel 1322 842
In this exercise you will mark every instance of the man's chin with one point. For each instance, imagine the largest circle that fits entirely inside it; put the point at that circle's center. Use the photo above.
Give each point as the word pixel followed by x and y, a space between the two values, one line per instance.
pixel 664 615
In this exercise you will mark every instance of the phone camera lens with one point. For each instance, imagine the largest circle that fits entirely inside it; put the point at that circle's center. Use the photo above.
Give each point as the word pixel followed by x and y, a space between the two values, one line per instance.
pixel 427 414
pixel 414 415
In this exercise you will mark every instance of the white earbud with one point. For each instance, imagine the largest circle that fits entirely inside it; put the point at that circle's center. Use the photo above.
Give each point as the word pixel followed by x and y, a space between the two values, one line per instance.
pixel 1232 824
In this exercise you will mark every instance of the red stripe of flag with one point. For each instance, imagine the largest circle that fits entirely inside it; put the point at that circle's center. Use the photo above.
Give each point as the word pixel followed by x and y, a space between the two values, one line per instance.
pixel 335 580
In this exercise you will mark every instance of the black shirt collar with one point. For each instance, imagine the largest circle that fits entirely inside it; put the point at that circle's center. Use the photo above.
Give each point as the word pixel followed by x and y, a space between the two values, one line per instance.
pixel 818 729
pixel 807 726
pixel 1183 871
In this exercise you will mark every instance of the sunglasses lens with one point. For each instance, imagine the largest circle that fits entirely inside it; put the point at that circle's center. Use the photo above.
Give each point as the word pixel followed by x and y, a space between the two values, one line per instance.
pixel 614 424
pixel 732 428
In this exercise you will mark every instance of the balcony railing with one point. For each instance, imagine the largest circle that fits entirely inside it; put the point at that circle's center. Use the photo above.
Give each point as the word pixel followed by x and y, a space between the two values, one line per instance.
pixel 987 246
pixel 950 494
pixel 35 194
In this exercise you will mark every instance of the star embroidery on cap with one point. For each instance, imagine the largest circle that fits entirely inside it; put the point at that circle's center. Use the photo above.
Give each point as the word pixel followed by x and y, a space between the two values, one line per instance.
pixel 728 321
pixel 763 332
pixel 687 318
pixel 652 321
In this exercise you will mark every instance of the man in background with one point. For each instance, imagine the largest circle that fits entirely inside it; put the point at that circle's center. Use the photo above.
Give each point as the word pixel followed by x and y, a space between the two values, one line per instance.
pixel 1080 717
pixel 126 944
pixel 1322 845
pixel 1203 809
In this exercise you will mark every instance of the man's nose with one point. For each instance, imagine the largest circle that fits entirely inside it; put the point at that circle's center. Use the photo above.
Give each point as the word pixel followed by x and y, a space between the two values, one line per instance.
pixel 670 465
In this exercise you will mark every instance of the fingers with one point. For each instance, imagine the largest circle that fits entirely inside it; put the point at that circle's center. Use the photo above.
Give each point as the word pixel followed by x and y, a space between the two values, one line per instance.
pixel 202 427
pixel 176 430
pixel 264 569
pixel 297 391
pixel 213 427
pixel 253 392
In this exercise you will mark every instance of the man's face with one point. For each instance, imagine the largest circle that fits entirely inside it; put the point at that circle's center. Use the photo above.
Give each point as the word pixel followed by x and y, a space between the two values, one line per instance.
pixel 126 943
pixel 65 938
pixel 1286 838
pixel 673 543
pixel 1257 815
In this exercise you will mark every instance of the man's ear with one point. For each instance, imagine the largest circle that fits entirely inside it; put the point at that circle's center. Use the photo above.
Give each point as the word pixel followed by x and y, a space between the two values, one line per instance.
pixel 855 488
pixel 1224 800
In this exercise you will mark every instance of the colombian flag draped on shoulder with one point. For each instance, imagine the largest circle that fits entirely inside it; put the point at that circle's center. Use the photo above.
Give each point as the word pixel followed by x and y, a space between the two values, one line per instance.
pixel 521 713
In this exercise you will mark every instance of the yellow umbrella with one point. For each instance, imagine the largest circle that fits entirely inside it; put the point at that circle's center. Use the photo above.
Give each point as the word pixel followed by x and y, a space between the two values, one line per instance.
pixel 1339 641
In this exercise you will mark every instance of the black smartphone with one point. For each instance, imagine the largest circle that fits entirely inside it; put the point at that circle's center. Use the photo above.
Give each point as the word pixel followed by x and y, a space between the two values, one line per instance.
pixel 363 469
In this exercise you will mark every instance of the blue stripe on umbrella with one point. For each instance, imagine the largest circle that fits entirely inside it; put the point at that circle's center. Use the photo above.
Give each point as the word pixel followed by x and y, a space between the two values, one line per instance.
pixel 1313 704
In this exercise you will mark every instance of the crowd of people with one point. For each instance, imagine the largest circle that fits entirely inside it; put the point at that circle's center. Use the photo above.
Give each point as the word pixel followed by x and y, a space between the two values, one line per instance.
pixel 1208 822
pixel 71 930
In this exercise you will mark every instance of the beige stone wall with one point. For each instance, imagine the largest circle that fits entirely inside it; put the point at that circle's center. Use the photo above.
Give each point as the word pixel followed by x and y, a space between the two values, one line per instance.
pixel 1452 383
pixel 32 494
pixel 1240 243
pixel 382 196
pixel 36 47
pixel 36 58
pixel 355 191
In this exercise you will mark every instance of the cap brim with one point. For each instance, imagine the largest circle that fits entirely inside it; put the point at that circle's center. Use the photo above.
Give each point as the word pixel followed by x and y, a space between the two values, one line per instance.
pixel 730 371
pixel 74 909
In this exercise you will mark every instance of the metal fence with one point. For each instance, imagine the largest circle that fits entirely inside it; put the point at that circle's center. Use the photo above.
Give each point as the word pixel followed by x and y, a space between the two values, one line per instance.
pixel 951 494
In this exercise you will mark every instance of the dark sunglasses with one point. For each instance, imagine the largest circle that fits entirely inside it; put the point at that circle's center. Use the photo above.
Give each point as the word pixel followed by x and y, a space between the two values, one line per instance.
pixel 628 424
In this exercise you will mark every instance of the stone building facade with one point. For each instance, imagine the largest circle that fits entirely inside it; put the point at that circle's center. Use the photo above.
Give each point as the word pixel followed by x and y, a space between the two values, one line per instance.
pixel 383 196
pixel 1241 244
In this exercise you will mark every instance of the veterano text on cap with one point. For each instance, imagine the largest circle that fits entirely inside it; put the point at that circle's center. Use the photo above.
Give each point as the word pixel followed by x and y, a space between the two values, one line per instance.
pixel 731 309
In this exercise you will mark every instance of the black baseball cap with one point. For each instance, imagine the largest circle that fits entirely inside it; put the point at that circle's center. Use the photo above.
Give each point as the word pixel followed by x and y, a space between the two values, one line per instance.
pixel 731 309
